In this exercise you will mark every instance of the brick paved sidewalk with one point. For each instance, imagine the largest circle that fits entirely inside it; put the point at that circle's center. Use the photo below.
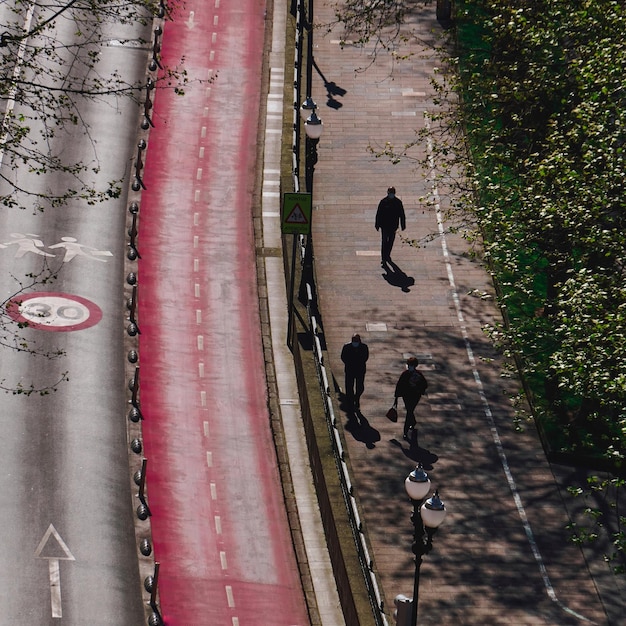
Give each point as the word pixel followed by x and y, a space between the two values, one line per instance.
pixel 487 565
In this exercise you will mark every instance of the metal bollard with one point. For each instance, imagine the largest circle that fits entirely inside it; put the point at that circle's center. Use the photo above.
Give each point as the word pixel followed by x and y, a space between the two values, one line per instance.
pixel 402 613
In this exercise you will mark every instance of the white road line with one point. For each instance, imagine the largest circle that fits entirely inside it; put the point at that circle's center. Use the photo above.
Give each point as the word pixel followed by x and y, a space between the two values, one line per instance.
pixel 196 196
pixel 198 316
pixel 196 265
pixel 199 174
pixel 213 491
pixel 223 562
pixel 55 588
pixel 197 290
pixel 218 524
pixel 205 428
pixel 209 459
pixel 229 595
pixel 203 132
pixel 200 341
pixel 196 241
pixel 196 217
pixel 201 369
pixel 203 398
pixel 201 152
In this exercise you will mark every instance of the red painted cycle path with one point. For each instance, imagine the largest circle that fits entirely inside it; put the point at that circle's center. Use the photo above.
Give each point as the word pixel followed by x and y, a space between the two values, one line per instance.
pixel 219 527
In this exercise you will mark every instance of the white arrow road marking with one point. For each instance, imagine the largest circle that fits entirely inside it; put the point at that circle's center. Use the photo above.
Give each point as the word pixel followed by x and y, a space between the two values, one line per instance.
pixel 54 555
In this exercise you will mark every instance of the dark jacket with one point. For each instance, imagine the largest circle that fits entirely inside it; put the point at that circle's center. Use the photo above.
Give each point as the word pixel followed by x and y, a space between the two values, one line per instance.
pixel 390 214
pixel 355 358
pixel 411 385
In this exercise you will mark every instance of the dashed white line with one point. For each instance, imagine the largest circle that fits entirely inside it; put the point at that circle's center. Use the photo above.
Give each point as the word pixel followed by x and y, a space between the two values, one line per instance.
pixel 196 219
pixel 203 132
pixel 203 398
pixel 205 429
pixel 200 341
pixel 199 174
pixel 201 369
pixel 209 459
pixel 196 240
pixel 229 595
pixel 197 290
pixel 213 491
pixel 198 316
pixel 196 265
pixel 224 562
pixel 218 524
pixel 196 195
pixel 201 152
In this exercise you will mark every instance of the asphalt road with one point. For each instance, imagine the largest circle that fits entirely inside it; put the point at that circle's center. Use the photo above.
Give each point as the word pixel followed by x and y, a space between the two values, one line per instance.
pixel 67 546
pixel 218 521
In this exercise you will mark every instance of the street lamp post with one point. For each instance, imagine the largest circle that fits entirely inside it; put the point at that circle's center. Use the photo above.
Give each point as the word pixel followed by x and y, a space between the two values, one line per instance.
pixel 427 517
pixel 313 128
pixel 312 123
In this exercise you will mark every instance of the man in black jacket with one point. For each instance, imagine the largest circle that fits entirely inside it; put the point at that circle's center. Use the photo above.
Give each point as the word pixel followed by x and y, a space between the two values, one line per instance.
pixel 389 216
pixel 354 356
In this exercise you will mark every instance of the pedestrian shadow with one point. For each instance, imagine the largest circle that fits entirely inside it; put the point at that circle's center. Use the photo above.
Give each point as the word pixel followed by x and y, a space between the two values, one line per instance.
pixel 396 277
pixel 415 453
pixel 361 430
pixel 332 90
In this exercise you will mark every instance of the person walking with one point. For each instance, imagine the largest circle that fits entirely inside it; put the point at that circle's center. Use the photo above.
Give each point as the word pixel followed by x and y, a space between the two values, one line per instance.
pixel 411 386
pixel 389 216
pixel 354 356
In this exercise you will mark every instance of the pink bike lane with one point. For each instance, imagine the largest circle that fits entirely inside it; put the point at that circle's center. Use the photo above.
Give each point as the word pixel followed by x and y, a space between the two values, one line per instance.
pixel 219 527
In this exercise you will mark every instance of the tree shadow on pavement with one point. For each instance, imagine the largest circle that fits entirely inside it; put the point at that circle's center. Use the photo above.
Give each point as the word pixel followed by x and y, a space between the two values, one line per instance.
pixel 396 277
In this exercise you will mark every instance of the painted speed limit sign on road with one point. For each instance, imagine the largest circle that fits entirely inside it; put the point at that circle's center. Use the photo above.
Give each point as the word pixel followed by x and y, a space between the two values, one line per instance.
pixel 54 311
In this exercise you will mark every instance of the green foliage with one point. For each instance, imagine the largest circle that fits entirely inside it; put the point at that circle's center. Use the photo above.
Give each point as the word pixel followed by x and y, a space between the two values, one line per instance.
pixel 602 521
pixel 542 104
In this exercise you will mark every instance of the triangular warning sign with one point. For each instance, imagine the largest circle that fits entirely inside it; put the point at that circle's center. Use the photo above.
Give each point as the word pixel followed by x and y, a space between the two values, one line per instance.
pixel 296 216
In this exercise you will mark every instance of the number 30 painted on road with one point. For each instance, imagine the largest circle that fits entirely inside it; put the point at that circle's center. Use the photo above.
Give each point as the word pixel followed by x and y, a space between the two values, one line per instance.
pixel 54 311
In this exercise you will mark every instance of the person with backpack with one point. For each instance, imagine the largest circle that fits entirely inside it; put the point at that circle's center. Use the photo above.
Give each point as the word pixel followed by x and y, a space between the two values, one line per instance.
pixel 411 386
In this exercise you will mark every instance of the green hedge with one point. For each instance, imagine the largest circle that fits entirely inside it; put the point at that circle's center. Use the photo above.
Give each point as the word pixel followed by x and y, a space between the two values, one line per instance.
pixel 543 104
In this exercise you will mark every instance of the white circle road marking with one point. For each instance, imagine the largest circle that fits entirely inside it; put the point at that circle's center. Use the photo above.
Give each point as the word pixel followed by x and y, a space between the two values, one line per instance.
pixel 54 311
